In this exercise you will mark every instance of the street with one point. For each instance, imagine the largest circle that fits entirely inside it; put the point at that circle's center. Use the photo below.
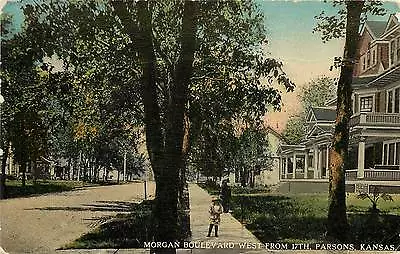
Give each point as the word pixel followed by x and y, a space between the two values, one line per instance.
pixel 44 223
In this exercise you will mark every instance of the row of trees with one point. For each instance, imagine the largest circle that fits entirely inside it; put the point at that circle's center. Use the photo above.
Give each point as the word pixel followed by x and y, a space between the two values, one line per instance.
pixel 179 70
pixel 84 77
pixel 232 149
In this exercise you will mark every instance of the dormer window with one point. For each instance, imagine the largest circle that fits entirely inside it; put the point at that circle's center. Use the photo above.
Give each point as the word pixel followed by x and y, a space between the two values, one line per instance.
pixel 392 51
pixel 366 103
pixel 363 63
pixel 398 49
pixel 368 59
pixel 373 57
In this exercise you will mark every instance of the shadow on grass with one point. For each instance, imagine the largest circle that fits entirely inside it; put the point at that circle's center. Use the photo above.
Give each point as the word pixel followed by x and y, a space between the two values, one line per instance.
pixel 287 219
pixel 99 206
pixel 278 218
pixel 14 188
pixel 375 228
pixel 15 191
pixel 122 231
pixel 128 230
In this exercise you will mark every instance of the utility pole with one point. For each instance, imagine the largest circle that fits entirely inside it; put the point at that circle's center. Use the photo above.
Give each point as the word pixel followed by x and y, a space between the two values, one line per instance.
pixel 125 178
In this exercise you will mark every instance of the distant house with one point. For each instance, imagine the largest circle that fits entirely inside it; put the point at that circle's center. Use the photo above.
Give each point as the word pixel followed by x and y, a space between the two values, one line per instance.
pixel 269 174
pixel 374 148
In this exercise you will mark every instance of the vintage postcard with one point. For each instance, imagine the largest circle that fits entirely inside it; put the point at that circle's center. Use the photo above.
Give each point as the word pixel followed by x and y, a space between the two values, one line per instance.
pixel 200 126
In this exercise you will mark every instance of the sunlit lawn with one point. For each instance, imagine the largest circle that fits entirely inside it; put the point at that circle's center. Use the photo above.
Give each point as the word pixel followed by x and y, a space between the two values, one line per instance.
pixel 15 188
pixel 302 218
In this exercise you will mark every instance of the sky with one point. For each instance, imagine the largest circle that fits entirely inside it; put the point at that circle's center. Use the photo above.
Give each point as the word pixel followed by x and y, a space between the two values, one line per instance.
pixel 289 25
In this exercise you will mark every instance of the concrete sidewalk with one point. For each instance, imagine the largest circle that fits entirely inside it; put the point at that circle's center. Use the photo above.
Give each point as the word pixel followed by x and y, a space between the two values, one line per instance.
pixel 233 237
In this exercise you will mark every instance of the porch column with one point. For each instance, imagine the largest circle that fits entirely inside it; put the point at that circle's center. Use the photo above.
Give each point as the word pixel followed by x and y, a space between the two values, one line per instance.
pixel 294 166
pixel 327 161
pixel 361 158
pixel 315 162
pixel 286 166
pixel 320 164
pixel 306 164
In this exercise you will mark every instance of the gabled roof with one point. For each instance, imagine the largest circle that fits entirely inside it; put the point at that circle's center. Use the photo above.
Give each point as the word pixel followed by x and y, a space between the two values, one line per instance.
pixel 376 27
pixel 318 130
pixel 359 82
pixel 386 78
pixel 323 114
pixel 392 21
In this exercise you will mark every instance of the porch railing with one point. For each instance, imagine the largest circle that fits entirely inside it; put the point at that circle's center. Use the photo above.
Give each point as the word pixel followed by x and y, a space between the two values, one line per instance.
pixel 351 174
pixel 375 174
pixel 390 175
pixel 375 119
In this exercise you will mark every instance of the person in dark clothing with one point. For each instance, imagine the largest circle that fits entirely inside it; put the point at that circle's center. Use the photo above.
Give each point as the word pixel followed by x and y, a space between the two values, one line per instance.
pixel 225 196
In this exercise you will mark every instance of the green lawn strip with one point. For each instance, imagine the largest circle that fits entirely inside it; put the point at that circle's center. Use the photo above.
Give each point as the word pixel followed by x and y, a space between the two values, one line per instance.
pixel 15 188
pixel 123 231
pixel 301 218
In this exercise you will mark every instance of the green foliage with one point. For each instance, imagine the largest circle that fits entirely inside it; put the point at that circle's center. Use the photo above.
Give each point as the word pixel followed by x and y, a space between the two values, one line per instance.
pixel 302 218
pixel 211 187
pixel 15 190
pixel 317 92
pixel 333 26
pixel 295 130
pixel 123 231
pixel 72 75
pixel 224 151
pixel 374 197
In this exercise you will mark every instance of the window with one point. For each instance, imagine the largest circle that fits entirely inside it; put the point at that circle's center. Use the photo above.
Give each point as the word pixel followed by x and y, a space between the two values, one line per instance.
pixel 290 166
pixel 385 153
pixel 398 153
pixel 368 59
pixel 300 163
pixel 392 50
pixel 397 100
pixel 366 104
pixel 373 57
pixel 391 153
pixel 390 102
pixel 311 161
pixel 398 49
pixel 393 100
pixel 363 63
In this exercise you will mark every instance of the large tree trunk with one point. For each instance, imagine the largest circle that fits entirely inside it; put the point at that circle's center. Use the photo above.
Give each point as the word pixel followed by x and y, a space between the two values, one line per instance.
pixel 174 154
pixel 183 196
pixel 166 160
pixel 337 219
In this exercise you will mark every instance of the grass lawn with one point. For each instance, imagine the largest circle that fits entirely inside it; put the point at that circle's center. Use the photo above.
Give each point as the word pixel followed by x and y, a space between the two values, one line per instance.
pixel 123 231
pixel 301 218
pixel 15 189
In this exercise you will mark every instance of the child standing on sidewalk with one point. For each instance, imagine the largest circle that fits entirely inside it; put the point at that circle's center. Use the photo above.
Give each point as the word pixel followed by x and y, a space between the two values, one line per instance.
pixel 215 211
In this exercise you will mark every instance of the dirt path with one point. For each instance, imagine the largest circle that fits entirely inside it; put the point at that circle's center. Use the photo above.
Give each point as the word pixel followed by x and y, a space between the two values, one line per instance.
pixel 44 223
